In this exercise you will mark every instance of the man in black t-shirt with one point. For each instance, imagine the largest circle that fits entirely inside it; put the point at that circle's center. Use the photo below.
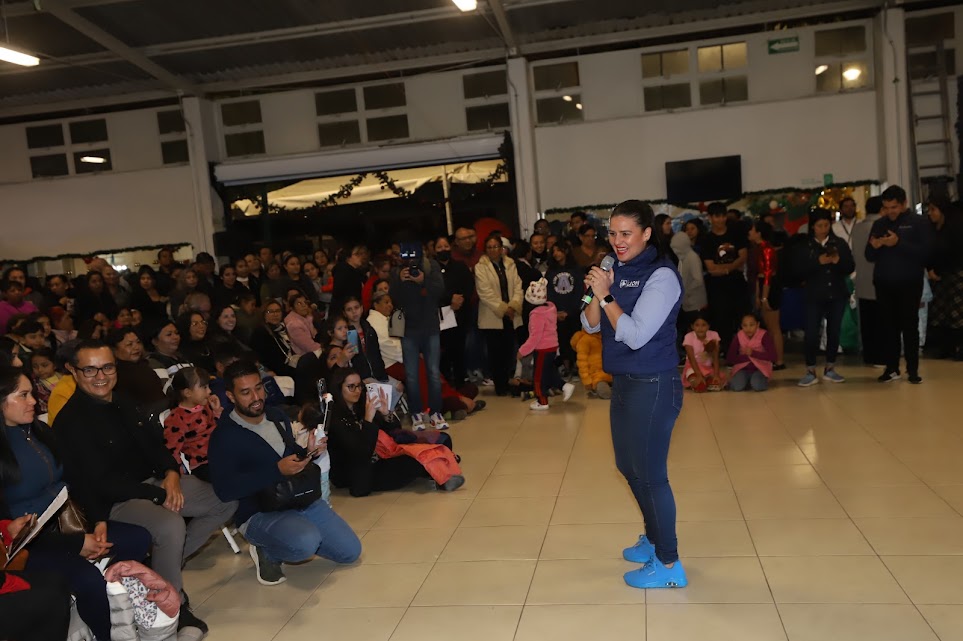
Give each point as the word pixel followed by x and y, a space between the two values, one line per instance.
pixel 724 252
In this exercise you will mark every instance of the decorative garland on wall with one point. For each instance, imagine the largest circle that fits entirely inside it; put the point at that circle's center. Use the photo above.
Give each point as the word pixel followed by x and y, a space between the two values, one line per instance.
pixel 100 252
pixel 701 206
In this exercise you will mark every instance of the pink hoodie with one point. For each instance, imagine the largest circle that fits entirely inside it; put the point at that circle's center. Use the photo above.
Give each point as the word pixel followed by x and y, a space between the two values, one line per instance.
pixel 542 329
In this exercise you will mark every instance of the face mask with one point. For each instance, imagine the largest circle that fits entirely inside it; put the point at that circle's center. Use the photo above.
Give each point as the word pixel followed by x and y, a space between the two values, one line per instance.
pixel 444 255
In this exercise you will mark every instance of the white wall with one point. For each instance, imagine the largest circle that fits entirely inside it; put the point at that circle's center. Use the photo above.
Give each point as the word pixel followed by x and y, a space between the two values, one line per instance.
pixel 98 212
pixel 790 143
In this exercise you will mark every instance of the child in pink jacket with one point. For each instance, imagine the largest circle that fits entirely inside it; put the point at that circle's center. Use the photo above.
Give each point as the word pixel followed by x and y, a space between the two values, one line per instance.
pixel 543 340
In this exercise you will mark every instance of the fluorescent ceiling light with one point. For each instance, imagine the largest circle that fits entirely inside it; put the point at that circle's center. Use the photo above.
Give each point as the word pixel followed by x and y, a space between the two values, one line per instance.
pixel 466 5
pixel 821 69
pixel 18 58
pixel 567 98
pixel 96 160
pixel 578 105
pixel 852 73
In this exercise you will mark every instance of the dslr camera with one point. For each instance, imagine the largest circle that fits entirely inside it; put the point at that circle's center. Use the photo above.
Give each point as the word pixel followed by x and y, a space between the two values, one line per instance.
pixel 411 257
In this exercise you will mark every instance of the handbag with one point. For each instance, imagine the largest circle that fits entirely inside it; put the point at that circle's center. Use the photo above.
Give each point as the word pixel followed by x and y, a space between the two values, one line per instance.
pixel 292 492
pixel 71 520
pixel 396 324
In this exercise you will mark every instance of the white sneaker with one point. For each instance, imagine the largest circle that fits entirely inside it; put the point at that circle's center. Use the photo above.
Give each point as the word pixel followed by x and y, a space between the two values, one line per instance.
pixel 487 382
pixel 438 422
pixel 567 391
pixel 538 406
pixel 418 422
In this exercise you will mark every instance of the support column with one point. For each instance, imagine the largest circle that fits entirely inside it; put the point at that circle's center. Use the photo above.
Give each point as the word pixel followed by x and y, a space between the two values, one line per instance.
pixel 523 141
pixel 892 100
pixel 202 149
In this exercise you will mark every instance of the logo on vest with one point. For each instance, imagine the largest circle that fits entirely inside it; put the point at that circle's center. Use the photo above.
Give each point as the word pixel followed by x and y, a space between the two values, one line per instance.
pixel 629 283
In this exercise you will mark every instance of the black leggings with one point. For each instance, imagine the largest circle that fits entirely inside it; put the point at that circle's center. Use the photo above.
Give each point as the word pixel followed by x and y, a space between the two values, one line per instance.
pixel 41 613
pixel 501 356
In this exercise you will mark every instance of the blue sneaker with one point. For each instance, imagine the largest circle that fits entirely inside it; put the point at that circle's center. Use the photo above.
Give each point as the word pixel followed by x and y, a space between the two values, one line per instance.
pixel 832 376
pixel 808 380
pixel 655 575
pixel 641 552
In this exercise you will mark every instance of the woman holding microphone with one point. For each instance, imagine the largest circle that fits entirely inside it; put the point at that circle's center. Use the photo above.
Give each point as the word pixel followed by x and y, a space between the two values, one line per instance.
pixel 635 306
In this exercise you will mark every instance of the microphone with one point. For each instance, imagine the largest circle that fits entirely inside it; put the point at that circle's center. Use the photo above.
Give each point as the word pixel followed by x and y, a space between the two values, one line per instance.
pixel 606 266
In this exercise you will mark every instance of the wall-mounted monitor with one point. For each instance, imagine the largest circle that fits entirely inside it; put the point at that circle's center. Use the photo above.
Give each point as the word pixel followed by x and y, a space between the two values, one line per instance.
pixel 703 179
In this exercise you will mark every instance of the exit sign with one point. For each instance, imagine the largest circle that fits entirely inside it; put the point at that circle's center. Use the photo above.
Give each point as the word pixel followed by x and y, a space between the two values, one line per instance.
pixel 783 45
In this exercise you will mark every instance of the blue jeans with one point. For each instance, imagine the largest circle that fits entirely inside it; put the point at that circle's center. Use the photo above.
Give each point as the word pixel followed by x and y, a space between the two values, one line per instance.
pixel 643 413
pixel 293 536
pixel 832 310
pixel 743 380
pixel 429 346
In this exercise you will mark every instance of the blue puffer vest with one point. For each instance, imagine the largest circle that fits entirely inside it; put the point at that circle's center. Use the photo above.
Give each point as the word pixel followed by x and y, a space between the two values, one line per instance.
pixel 659 354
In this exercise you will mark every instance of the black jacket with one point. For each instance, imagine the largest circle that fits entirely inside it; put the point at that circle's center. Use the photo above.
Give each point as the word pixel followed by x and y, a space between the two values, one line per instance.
pixel 826 282
pixel 905 261
pixel 270 352
pixel 368 360
pixel 351 444
pixel 458 280
pixel 348 281
pixel 419 301
pixel 108 452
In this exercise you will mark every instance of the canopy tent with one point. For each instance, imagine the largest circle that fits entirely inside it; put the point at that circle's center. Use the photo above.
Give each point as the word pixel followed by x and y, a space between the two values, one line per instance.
pixel 306 193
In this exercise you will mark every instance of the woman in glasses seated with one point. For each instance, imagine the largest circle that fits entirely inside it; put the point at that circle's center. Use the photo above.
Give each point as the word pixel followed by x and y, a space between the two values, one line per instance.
pixel 195 340
pixel 272 342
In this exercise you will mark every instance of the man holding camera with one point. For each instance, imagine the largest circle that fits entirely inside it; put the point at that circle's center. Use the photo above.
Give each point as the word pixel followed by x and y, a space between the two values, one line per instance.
pixel 417 287
pixel 252 453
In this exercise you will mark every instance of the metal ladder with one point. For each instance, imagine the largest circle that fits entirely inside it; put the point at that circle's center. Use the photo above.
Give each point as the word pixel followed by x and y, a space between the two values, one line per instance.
pixel 931 132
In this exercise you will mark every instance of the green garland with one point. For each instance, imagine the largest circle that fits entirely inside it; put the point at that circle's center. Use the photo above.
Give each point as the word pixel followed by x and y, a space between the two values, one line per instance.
pixel 748 194
pixel 122 250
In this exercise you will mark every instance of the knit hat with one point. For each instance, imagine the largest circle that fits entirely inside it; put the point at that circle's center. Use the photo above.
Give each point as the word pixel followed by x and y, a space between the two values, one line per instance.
pixel 537 292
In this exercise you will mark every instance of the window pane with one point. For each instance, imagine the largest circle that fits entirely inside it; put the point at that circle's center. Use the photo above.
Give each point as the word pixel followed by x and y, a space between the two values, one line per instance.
pixel 487 117
pixel 674 96
pixel 338 134
pixel 734 55
pixel 244 144
pixel 170 122
pixel 45 136
pixel 710 58
pixel 555 110
pixel 855 75
pixel 554 77
pixel 675 62
pixel 651 65
pixel 241 113
pixel 52 165
pixel 927 64
pixel 653 98
pixel 88 162
pixel 88 131
pixel 175 151
pixel 842 41
pixel 340 101
pixel 829 79
pixel 485 84
pixel 387 128
pixel 711 92
pixel 736 88
pixel 930 29
pixel 384 96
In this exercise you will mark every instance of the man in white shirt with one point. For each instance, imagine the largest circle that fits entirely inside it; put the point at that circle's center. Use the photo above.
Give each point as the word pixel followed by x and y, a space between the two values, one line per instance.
pixel 843 228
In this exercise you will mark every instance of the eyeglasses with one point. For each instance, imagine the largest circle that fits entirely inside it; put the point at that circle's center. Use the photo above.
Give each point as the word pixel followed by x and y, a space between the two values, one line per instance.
pixel 353 387
pixel 273 311
pixel 90 371
pixel 198 323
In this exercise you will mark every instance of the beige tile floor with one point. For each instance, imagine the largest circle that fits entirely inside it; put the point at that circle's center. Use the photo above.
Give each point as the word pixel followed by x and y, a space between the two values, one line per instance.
pixel 834 512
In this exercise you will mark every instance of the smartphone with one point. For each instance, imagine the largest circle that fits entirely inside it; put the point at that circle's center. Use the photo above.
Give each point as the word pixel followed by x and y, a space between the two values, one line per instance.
pixel 310 454
pixel 353 339
pixel 831 251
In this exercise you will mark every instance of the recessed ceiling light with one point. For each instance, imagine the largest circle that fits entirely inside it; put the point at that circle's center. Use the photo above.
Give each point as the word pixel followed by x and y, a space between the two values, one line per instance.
pixel 567 98
pixel 578 105
pixel 95 160
pixel 821 69
pixel 18 57
pixel 466 5
pixel 853 73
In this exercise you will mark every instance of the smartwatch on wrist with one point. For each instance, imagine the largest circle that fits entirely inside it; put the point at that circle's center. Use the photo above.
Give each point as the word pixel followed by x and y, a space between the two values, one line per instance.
pixel 605 301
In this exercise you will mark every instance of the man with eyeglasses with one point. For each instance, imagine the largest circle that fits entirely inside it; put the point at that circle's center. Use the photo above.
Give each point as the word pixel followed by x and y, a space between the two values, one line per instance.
pixel 117 468
pixel 466 247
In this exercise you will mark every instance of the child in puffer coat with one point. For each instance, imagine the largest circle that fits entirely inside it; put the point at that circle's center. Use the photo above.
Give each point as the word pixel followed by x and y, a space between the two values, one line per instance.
pixel 588 348
pixel 543 341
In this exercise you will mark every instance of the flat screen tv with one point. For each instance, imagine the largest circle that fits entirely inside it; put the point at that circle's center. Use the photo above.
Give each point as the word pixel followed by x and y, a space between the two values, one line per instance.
pixel 704 179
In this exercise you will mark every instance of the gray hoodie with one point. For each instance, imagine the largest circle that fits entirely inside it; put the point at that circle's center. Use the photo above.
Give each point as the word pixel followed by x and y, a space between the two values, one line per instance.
pixel 690 268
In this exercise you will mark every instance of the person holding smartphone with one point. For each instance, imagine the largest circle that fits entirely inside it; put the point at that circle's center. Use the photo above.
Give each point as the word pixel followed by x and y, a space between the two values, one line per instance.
pixel 826 264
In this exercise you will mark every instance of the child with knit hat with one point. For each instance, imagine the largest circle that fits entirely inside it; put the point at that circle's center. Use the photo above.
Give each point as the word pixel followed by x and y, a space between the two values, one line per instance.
pixel 543 341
